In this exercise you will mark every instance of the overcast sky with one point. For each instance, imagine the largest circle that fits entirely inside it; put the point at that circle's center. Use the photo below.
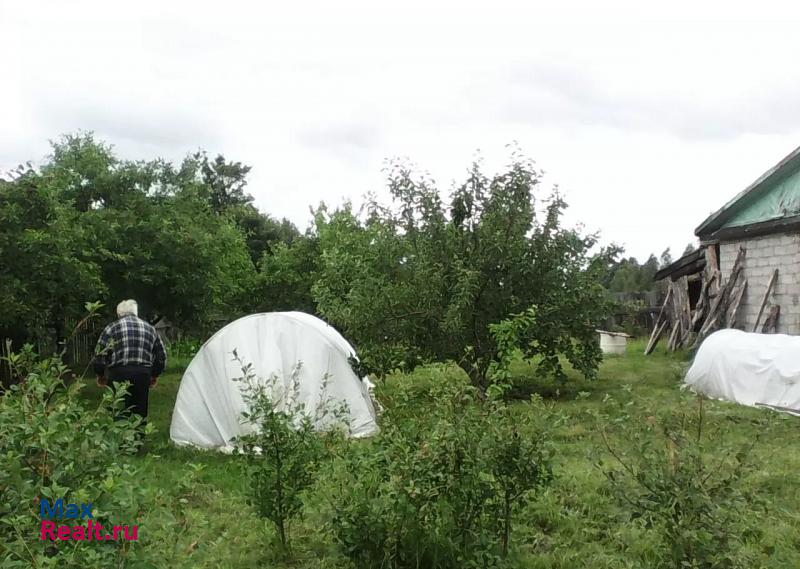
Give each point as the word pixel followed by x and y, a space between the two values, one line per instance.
pixel 647 121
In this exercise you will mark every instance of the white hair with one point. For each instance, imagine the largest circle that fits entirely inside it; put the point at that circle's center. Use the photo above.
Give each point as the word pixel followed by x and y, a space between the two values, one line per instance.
pixel 127 307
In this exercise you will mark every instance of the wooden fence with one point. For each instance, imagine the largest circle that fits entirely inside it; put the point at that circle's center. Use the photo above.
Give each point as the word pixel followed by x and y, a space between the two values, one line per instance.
pixel 5 366
pixel 78 351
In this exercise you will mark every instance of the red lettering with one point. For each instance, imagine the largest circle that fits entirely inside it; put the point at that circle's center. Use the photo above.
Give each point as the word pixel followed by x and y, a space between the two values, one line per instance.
pixel 48 528
pixel 79 533
pixel 132 536
pixel 64 533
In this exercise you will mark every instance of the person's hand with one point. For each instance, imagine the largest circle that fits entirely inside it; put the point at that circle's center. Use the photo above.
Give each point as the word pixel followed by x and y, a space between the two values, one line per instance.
pixel 154 381
pixel 102 381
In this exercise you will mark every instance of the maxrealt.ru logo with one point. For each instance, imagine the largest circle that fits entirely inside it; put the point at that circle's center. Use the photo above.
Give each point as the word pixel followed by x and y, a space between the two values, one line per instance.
pixel 92 531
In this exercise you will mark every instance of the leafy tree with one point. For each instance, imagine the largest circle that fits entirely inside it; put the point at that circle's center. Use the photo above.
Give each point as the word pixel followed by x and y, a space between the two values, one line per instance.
pixel 177 258
pixel 666 258
pixel 283 451
pixel 287 275
pixel 88 225
pixel 649 270
pixel 221 184
pixel 263 233
pixel 418 281
pixel 82 171
pixel 47 272
pixel 629 276
pixel 224 181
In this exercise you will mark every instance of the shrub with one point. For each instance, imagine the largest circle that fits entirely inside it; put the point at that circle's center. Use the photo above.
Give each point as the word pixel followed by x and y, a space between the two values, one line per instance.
pixel 283 451
pixel 181 353
pixel 53 445
pixel 686 485
pixel 437 490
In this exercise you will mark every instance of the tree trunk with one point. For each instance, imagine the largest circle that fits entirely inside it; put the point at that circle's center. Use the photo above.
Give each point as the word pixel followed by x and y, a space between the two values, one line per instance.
pixel 477 375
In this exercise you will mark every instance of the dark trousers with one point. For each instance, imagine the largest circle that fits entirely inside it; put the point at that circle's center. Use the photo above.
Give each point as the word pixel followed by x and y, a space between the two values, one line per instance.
pixel 137 380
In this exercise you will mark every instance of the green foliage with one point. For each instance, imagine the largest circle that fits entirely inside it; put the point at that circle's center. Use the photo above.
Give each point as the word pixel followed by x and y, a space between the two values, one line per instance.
pixel 686 485
pixel 421 281
pixel 54 445
pixel 283 450
pixel 628 275
pixel 47 270
pixel 666 257
pixel 439 488
pixel 195 512
pixel 224 181
pixel 262 232
pixel 181 352
pixel 177 258
pixel 89 225
pixel 287 274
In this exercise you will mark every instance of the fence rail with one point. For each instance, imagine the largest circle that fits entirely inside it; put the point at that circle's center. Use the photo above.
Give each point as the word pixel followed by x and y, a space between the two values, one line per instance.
pixel 5 365
pixel 78 351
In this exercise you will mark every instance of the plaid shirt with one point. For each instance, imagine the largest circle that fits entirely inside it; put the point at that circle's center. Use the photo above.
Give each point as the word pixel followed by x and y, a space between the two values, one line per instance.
pixel 130 341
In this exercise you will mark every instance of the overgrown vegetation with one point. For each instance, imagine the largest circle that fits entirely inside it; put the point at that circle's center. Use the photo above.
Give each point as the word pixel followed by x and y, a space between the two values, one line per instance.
pixel 283 450
pixel 421 280
pixel 193 507
pixel 184 240
pixel 461 307
pixel 416 281
pixel 438 488
pixel 686 485
pixel 53 445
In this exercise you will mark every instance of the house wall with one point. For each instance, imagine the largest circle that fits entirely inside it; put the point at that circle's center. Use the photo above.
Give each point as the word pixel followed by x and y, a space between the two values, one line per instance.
pixel 765 254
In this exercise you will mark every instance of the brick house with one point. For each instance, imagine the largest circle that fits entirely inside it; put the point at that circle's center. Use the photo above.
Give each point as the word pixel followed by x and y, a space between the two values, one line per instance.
pixel 764 219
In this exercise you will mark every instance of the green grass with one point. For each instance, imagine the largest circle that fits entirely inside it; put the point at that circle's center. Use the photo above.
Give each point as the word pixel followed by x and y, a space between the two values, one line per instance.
pixel 197 515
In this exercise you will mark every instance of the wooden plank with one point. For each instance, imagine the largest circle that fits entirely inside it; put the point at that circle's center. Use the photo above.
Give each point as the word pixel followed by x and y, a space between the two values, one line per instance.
pixel 651 345
pixel 661 315
pixel 733 307
pixel 713 284
pixel 712 262
pixel 702 304
pixel 685 312
pixel 772 281
pixel 719 307
pixel 781 225
pixel 677 322
pixel 673 337
pixel 771 323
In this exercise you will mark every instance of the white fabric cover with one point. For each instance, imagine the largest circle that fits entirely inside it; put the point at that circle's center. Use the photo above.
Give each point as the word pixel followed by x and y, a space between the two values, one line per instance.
pixel 751 369
pixel 208 408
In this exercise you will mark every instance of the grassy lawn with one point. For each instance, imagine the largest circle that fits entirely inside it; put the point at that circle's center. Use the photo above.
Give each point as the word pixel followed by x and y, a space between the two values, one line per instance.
pixel 198 516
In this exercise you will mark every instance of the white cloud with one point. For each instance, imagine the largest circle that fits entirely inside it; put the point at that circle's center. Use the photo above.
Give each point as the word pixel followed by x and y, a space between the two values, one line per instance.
pixel 646 125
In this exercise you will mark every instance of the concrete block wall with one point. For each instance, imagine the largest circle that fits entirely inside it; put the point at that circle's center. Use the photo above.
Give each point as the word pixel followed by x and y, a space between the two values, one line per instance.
pixel 765 254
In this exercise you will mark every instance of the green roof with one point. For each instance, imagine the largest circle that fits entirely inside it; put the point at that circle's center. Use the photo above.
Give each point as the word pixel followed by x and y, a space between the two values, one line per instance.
pixel 775 195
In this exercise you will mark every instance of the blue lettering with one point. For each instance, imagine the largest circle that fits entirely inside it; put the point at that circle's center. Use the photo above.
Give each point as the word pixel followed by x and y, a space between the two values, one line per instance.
pixel 72 511
pixel 86 510
pixel 46 511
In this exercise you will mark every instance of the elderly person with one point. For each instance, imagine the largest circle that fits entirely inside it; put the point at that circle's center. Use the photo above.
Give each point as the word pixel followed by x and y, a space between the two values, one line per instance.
pixel 130 351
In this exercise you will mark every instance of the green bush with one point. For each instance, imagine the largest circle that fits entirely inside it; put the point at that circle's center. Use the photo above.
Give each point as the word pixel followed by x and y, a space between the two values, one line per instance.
pixel 439 489
pixel 181 353
pixel 685 483
pixel 283 451
pixel 54 445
